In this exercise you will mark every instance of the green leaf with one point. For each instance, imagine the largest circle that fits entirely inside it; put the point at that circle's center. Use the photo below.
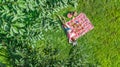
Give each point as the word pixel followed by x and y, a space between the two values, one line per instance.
pixel 15 30
pixel 6 27
pixel 22 5
pixel 15 18
pixel 31 7
pixel 1 46
pixel 19 24
pixel 19 53
pixel 11 32
pixel 21 31
pixel 5 7
pixel 16 61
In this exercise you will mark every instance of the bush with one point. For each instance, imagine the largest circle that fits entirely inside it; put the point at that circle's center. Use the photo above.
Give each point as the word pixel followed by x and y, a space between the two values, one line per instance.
pixel 22 24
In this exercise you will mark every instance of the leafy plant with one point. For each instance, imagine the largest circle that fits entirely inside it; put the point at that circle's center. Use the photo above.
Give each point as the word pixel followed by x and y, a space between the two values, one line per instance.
pixel 22 24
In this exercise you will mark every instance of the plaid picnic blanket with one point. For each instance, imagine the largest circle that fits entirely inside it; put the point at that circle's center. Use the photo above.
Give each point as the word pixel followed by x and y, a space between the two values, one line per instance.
pixel 77 27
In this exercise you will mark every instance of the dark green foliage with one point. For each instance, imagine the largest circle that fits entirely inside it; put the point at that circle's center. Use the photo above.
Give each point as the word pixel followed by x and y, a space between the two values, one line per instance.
pixel 22 23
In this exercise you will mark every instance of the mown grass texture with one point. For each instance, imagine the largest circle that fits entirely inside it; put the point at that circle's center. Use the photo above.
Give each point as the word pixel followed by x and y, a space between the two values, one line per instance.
pixel 99 46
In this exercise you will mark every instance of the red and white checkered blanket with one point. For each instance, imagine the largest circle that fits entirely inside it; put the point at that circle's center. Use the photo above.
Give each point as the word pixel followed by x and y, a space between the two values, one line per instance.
pixel 77 27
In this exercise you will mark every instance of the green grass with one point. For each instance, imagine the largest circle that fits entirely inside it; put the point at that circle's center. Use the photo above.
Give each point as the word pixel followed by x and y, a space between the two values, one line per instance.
pixel 101 45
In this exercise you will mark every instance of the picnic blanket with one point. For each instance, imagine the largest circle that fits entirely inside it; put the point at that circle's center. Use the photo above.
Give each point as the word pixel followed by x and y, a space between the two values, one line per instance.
pixel 77 27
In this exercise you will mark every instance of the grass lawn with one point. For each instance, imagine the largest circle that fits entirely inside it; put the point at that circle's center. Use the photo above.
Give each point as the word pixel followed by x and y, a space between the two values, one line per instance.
pixel 101 45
